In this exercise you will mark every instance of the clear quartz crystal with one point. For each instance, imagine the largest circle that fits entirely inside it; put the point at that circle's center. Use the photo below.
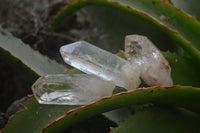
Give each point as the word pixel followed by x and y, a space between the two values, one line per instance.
pixel 154 67
pixel 93 60
pixel 64 89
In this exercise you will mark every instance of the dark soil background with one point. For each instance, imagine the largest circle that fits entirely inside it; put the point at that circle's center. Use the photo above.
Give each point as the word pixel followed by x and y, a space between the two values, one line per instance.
pixel 29 20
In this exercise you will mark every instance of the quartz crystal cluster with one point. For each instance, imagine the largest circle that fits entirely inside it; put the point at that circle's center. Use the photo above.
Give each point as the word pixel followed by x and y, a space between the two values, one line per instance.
pixel 104 71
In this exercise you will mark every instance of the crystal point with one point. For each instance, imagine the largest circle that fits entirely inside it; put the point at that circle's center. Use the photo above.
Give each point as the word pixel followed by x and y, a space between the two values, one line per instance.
pixel 93 60
pixel 78 89
pixel 154 67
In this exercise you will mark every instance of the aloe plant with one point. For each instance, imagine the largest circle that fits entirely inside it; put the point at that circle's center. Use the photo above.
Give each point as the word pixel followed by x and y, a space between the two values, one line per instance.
pixel 150 109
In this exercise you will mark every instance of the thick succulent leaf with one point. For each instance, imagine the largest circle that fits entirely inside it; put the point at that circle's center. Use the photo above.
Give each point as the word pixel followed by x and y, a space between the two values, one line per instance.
pixel 17 53
pixel 186 97
pixel 160 120
pixel 32 116
pixel 184 29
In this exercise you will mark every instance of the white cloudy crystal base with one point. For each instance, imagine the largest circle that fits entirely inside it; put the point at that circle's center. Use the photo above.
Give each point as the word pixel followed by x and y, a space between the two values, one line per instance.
pixel 93 60
pixel 78 89
pixel 155 70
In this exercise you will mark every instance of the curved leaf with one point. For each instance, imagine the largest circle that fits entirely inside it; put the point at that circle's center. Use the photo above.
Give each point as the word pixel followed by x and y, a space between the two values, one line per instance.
pixel 32 116
pixel 182 28
pixel 186 97
pixel 160 120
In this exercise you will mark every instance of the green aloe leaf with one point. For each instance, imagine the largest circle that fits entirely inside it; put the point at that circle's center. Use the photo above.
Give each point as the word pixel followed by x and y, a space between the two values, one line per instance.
pixel 21 55
pixel 160 120
pixel 186 97
pixel 184 29
pixel 33 117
